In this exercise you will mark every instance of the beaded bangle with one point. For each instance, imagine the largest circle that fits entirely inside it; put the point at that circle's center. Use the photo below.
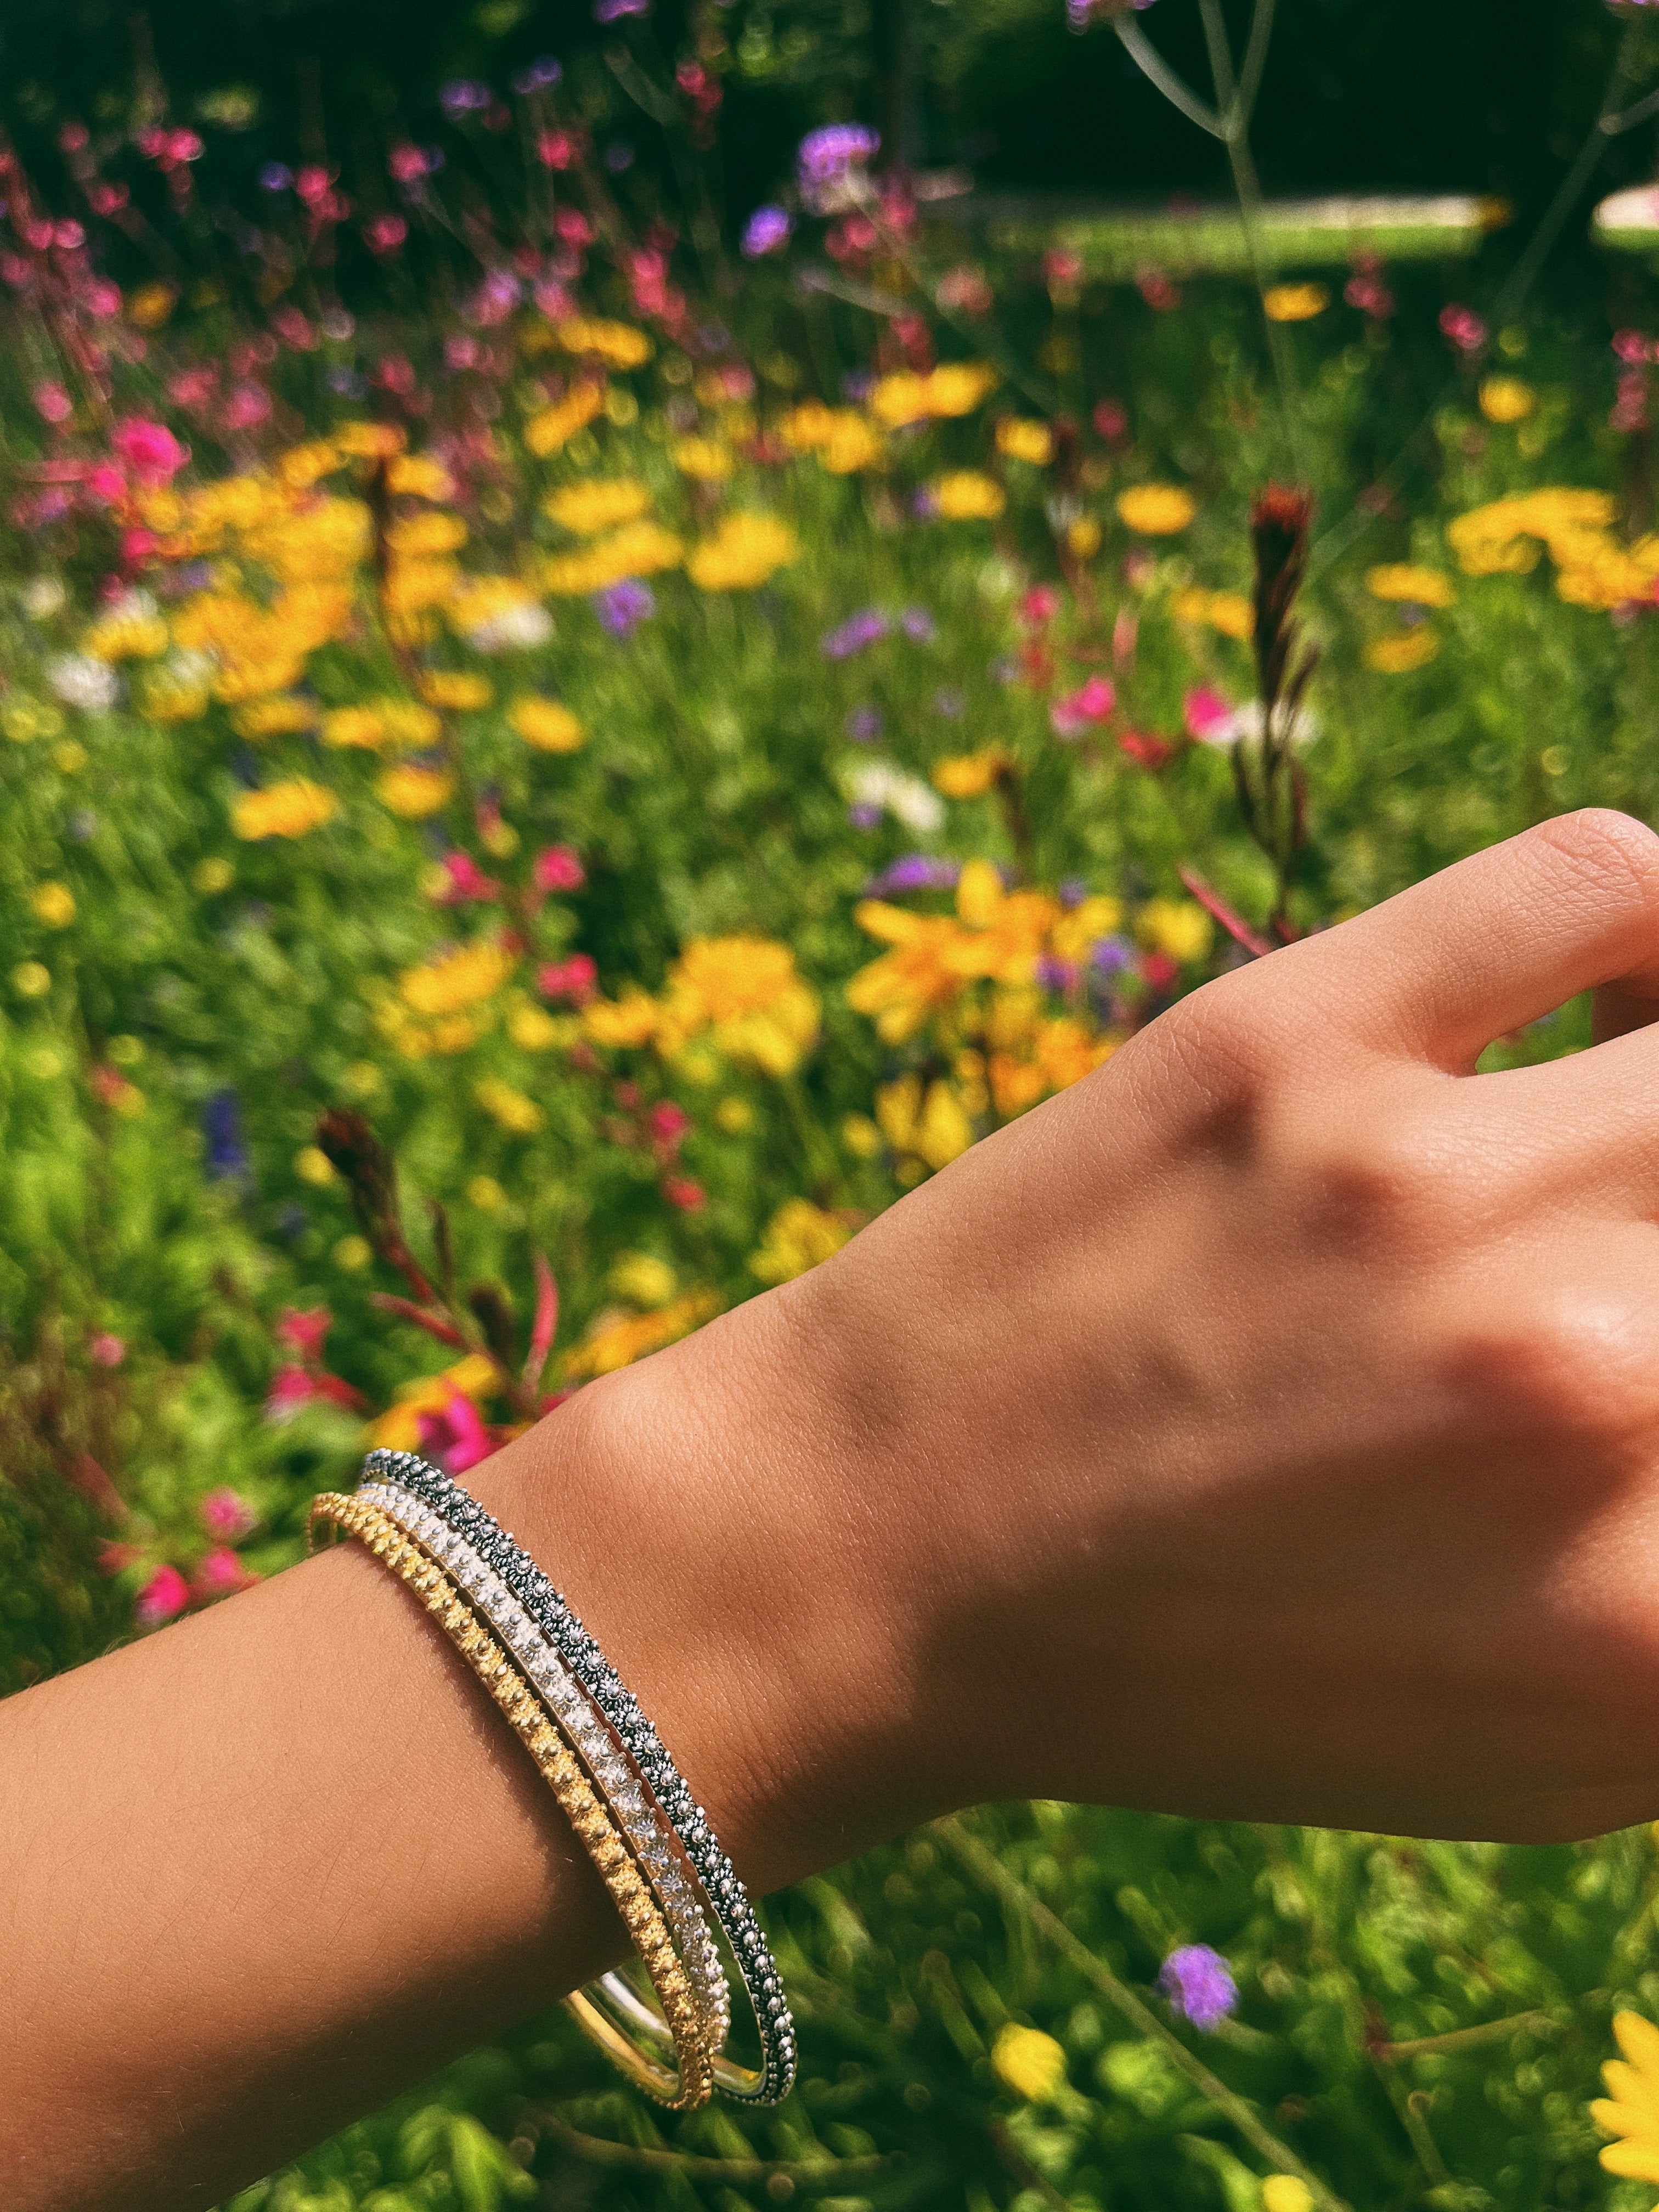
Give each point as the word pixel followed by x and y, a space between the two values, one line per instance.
pixel 694 2039
pixel 655 1847
pixel 772 2080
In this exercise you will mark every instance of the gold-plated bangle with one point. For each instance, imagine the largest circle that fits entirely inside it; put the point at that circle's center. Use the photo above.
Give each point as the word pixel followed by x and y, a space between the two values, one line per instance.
pixel 688 2084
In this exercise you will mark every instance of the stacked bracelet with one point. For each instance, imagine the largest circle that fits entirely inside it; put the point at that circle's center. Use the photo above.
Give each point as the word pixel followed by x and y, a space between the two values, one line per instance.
pixel 694 2035
pixel 663 1787
pixel 654 1844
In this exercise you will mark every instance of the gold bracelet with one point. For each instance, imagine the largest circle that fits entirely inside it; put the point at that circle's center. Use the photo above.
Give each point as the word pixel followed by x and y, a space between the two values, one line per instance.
pixel 688 2084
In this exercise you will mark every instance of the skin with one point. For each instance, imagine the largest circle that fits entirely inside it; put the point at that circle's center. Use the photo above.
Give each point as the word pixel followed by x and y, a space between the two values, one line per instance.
pixel 1267 1427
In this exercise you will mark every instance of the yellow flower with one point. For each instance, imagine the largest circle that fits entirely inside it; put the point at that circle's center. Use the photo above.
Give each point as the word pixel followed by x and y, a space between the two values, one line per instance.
pixel 1156 510
pixel 273 718
pixel 744 991
pixel 353 1253
pixel 313 1165
pixel 627 1022
pixel 167 697
pixel 522 1116
pixel 554 427
pixel 860 1136
pixel 1230 612
pixel 1025 441
pixel 486 1193
pixel 533 1030
pixel 967 495
pixel 23 719
pixel 735 1116
pixel 969 776
pixel 1286 2192
pixel 1179 928
pixel 619 343
pixel 639 549
pixel 213 876
pixel 417 477
pixel 302 466
pixel 642 1279
pixel 418 537
pixel 1082 537
pixel 150 305
pixel 931 1124
pixel 706 458
pixel 30 980
pixel 127 637
pixel 455 689
pixel 1088 920
pixel 1629 2110
pixel 1506 399
pixel 1294 303
pixel 744 551
pixel 1404 579
pixel 70 757
pixel 1401 651
pixel 853 444
pixel 1028 2061
pixel 544 724
pixel 598 504
pixel 456 980
pixel 955 389
pixel 617 1343
pixel 414 792
pixel 798 1237
pixel 54 904
pixel 283 810
pixel 358 727
pixel 370 441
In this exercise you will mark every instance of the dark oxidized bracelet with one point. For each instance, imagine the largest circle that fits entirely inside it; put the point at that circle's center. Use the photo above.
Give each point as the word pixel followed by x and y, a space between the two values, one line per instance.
pixel 663 1781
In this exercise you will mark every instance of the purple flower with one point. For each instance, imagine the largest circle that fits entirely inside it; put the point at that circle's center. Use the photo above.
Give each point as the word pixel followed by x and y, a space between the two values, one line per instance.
pixel 618 156
pixel 827 157
pixel 461 96
pixel 1072 891
pixel 854 634
pixel 612 11
pixel 864 816
pixel 766 230
pixel 1199 1983
pixel 542 72
pixel 918 625
pixel 856 386
pixel 275 177
pixel 221 1125
pixel 914 871
pixel 864 725
pixel 1110 956
pixel 622 607
pixel 1055 974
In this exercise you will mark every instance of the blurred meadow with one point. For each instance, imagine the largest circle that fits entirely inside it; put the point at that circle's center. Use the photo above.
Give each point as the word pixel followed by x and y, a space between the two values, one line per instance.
pixel 586 700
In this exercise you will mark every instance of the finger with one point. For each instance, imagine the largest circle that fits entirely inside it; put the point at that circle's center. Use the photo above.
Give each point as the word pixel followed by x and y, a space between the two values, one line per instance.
pixel 1490 945
pixel 1621 1007
pixel 1589 1117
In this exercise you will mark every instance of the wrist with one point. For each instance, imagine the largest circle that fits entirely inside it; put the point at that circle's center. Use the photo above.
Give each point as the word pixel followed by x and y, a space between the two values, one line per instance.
pixel 708 1515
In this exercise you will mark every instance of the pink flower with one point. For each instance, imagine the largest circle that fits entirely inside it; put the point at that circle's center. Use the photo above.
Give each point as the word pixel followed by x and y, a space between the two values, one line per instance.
pixel 1464 328
pixel 559 868
pixel 467 880
pixel 227 1514
pixel 1039 605
pixel 575 979
pixel 52 403
pixel 556 149
pixel 107 1349
pixel 150 449
pixel 1149 751
pixel 1208 717
pixel 196 386
pixel 407 164
pixel 1159 970
pixel 136 546
pixel 248 406
pixel 457 1438
pixel 669 1123
pixel 290 1389
pixel 303 1331
pixel 165 1595
pixel 1092 702
pixel 106 483
pixel 690 1197
pixel 220 1573
pixel 102 298
pixel 385 234
pixel 572 225
pixel 312 184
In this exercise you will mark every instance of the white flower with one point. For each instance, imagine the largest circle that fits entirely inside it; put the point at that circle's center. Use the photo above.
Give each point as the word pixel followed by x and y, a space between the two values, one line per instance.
pixel 906 798
pixel 134 604
pixel 81 681
pixel 43 596
pixel 515 629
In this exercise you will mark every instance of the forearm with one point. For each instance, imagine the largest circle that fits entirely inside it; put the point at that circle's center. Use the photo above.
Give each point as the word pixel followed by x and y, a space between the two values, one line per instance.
pixel 269 1867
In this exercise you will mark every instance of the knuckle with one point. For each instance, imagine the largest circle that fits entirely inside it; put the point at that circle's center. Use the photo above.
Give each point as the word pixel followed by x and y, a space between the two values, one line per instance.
pixel 1381 1190
pixel 1571 1371
pixel 1608 853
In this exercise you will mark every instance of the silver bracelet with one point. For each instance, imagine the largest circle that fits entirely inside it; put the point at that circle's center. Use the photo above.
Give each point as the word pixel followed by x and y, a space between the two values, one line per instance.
pixel 664 1784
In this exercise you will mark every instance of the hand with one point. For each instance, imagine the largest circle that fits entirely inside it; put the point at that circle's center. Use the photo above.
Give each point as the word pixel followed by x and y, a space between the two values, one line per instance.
pixel 1267 1427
